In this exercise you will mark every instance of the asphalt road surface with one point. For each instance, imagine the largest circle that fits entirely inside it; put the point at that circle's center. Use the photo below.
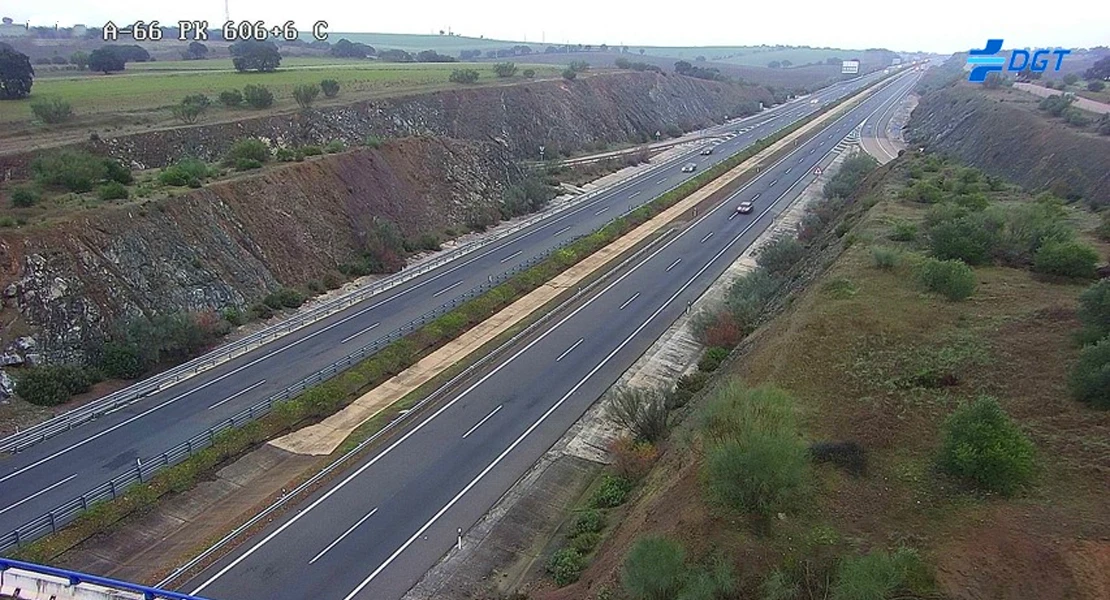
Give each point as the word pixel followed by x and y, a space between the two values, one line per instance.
pixel 66 466
pixel 374 531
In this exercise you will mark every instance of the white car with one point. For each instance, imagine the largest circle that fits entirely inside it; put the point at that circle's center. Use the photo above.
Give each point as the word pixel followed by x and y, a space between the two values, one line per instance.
pixel 744 208
pixel 689 167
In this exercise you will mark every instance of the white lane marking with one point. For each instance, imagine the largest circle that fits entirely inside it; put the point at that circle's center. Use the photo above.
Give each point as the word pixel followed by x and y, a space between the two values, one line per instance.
pixel 568 350
pixel 345 534
pixel 663 180
pixel 447 289
pixel 634 194
pixel 419 426
pixel 707 236
pixel 355 335
pixel 554 407
pixel 236 395
pixel 511 256
pixel 479 423
pixel 773 183
pixel 601 211
pixel 676 261
pixel 755 197
pixel 563 230
pixel 733 215
pixel 788 169
pixel 38 493
pixel 629 301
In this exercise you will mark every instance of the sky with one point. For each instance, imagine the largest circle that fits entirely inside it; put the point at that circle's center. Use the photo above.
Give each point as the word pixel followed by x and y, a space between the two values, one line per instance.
pixel 942 26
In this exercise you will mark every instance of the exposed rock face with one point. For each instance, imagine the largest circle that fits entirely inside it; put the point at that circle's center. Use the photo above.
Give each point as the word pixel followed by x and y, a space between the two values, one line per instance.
pixel 232 242
pixel 1005 135
pixel 563 114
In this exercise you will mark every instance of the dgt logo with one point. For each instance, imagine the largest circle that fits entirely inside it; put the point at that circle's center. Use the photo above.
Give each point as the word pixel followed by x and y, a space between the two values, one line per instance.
pixel 984 61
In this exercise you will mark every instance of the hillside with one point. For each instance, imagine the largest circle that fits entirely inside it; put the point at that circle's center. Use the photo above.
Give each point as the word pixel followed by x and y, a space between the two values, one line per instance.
pixel 842 489
pixel 1004 133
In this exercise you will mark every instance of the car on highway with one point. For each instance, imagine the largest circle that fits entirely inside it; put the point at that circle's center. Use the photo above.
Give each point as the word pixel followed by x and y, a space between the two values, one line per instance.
pixel 707 151
pixel 689 167
pixel 744 208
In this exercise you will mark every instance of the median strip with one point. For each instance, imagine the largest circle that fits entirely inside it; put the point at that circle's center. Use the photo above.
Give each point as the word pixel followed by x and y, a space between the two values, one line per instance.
pixel 411 362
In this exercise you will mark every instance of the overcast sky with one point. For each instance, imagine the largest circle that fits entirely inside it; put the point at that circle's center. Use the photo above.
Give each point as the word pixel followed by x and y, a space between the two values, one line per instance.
pixel 937 26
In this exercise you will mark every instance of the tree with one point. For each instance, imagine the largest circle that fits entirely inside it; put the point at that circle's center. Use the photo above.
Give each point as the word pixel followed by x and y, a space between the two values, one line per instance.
pixel 786 63
pixel 395 56
pixel 344 48
pixel 579 66
pixel 504 69
pixel 569 74
pixel 1095 86
pixel 16 74
pixel 196 51
pixel 105 60
pixel 330 87
pixel 699 59
pixel 1100 70
pixel 682 67
pixel 79 59
pixel 774 64
pixel 305 94
pixel 251 55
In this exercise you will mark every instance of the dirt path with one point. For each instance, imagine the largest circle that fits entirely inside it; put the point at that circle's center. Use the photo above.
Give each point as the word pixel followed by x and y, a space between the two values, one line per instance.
pixel 1081 102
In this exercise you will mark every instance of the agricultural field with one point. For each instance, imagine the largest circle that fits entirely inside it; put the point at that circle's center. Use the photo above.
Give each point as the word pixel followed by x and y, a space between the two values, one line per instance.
pixel 141 97
pixel 755 56
pixel 444 44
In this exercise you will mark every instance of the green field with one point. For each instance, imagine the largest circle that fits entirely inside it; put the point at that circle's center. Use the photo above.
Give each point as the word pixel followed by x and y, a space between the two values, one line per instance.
pixel 444 44
pixel 754 56
pixel 147 88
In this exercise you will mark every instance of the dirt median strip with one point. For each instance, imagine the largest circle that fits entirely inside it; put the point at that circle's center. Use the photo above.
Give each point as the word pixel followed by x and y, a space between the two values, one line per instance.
pixel 324 437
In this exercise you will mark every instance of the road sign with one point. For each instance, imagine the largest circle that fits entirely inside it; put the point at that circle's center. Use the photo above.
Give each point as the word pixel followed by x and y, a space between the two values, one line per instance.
pixel 817 171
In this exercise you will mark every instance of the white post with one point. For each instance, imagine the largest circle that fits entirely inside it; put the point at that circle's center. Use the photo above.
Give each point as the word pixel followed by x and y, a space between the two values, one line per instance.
pixel 460 538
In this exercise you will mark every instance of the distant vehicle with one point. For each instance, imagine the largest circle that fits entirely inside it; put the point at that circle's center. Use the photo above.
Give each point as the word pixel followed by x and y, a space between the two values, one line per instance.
pixel 689 167
pixel 814 101
pixel 707 151
pixel 744 208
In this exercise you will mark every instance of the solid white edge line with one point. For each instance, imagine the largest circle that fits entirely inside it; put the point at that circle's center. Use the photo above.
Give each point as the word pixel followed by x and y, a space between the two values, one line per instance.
pixel 38 493
pixel 511 256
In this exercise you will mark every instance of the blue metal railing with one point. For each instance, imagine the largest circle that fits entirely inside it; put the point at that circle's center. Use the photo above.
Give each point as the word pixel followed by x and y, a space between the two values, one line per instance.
pixel 76 578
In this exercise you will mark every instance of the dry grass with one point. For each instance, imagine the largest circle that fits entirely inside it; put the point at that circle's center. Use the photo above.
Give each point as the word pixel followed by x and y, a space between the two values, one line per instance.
pixel 848 359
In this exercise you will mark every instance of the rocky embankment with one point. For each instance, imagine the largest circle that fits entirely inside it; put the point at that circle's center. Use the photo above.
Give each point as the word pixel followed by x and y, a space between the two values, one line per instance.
pixel 1003 133
pixel 68 282
pixel 567 115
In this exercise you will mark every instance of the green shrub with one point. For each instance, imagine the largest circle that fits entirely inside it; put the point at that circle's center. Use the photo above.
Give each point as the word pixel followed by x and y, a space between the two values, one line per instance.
pixel 231 98
pixel 749 295
pixel 1103 230
pixel 1026 228
pixel 654 569
pixel 755 460
pixel 247 164
pixel 251 150
pixel 312 150
pixel 114 171
pixel 981 445
pixel 712 359
pixel 612 492
pixel 1094 311
pixel 780 255
pixel 589 521
pixel 234 316
pixel 904 231
pixel 52 110
pixel 1090 378
pixel 569 74
pixel 565 566
pixel 330 87
pixel 24 196
pixel 285 155
pixel 113 190
pixel 884 258
pixel 285 297
pixel 463 76
pixel 52 385
pixel 120 360
pixel 372 141
pixel 75 170
pixel 335 146
pixel 971 238
pixel 305 94
pixel 529 73
pixel 877 575
pixel 1066 258
pixel 585 542
pixel 187 171
pixel 642 412
pixel 950 278
pixel 258 96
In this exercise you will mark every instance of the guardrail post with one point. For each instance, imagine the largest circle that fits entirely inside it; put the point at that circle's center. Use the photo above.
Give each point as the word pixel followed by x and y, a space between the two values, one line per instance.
pixel 53 527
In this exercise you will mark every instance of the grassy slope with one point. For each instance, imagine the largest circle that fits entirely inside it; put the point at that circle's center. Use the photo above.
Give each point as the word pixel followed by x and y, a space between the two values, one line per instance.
pixel 839 353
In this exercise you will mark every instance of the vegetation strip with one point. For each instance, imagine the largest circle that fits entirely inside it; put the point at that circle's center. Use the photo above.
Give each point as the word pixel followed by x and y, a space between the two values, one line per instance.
pixel 326 399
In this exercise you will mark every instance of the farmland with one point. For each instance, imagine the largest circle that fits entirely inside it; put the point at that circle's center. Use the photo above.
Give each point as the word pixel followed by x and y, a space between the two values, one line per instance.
pixel 141 96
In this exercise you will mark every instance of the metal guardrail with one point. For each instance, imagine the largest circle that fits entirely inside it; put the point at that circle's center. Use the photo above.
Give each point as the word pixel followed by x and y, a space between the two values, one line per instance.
pixel 65 513
pixel 91 411
pixel 75 578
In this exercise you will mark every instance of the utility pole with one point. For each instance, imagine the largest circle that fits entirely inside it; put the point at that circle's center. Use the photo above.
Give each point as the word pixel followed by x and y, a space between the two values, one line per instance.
pixel 227 11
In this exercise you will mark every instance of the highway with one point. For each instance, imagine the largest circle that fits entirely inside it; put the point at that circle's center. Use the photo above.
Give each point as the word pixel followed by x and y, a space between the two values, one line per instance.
pixel 374 531
pixel 58 469
pixel 875 137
